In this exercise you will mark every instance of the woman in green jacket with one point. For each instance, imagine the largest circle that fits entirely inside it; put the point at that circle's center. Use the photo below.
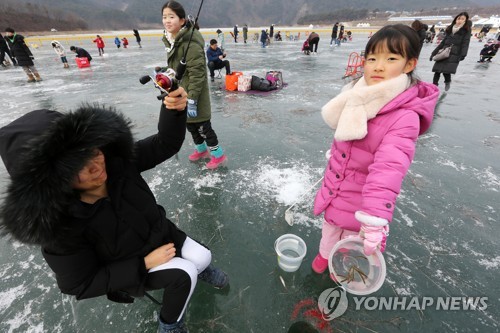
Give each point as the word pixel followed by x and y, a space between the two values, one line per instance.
pixel 177 34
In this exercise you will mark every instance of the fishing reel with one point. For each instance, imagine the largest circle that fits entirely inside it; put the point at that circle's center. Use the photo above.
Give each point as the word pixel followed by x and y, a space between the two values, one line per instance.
pixel 164 80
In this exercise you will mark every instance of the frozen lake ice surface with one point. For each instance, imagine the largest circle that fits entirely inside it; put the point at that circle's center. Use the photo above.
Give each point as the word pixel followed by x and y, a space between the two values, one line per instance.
pixel 444 237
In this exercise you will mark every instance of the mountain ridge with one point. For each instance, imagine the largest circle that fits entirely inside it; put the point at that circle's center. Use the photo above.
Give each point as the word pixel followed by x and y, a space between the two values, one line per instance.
pixel 43 15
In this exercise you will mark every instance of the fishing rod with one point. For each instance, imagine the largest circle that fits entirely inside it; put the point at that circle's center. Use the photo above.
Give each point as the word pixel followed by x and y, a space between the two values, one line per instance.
pixel 181 68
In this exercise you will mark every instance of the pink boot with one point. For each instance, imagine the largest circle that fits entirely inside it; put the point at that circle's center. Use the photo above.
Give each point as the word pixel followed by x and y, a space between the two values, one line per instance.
pixel 216 162
pixel 319 264
pixel 196 156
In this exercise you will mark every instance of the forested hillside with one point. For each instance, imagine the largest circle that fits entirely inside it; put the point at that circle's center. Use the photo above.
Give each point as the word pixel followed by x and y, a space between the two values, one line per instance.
pixel 43 15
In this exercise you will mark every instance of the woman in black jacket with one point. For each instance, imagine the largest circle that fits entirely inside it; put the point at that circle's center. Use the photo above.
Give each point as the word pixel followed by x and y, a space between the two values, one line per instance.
pixel 76 189
pixel 22 53
pixel 457 35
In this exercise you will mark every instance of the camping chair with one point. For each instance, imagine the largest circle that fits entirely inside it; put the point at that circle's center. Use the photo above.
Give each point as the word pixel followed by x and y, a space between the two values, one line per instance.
pixel 124 297
pixel 218 75
pixel 217 72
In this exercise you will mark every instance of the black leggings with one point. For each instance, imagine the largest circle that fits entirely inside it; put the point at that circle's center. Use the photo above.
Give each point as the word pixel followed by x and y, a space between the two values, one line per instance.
pixel 447 77
pixel 178 278
pixel 203 132
pixel 176 285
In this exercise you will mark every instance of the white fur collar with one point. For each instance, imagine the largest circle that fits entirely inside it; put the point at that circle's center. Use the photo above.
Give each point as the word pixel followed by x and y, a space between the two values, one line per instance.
pixel 348 113
pixel 171 40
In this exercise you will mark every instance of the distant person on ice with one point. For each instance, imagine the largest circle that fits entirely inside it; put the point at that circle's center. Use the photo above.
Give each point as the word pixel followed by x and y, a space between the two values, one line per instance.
pixel 313 40
pixel 419 27
pixel 100 44
pixel 21 52
pixel 305 47
pixel 335 30
pixel 457 35
pixel 61 52
pixel 377 121
pixel 488 51
pixel 215 58
pixel 118 42
pixel 263 38
pixel 81 52
pixel 245 33
pixel 221 40
pixel 235 33
pixel 76 189
pixel 178 30
pixel 4 50
pixel 137 37
pixel 125 42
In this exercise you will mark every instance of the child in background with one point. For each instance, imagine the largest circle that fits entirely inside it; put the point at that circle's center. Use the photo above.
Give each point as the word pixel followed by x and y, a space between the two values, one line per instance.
pixel 118 42
pixel 177 34
pixel 377 121
pixel 125 42
pixel 220 39
pixel 305 47
pixel 61 52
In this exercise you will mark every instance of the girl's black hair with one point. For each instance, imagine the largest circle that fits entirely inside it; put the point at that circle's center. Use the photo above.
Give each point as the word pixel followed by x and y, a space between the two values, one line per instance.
pixel 399 39
pixel 176 8
pixel 467 24
pixel 179 11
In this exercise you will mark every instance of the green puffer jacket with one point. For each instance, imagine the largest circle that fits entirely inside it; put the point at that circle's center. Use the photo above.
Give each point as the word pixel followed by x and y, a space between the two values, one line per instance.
pixel 195 80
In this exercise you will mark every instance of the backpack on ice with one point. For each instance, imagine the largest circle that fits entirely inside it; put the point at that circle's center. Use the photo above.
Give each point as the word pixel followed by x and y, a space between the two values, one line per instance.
pixel 276 78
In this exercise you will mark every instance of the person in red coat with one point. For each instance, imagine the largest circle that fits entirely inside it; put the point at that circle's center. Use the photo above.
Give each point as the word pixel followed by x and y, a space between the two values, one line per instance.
pixel 125 42
pixel 100 44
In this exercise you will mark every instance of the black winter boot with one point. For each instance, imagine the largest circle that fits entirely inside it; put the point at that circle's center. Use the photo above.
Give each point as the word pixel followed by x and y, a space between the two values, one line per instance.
pixel 214 276
pixel 177 327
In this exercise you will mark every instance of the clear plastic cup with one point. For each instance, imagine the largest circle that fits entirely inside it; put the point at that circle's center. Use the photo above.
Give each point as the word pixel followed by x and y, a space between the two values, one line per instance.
pixel 358 273
pixel 291 250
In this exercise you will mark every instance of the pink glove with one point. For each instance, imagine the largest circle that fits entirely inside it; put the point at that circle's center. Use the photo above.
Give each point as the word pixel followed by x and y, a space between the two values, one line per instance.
pixel 374 230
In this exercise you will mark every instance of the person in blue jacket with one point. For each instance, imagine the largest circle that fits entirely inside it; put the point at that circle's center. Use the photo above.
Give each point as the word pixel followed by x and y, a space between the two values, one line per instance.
pixel 215 58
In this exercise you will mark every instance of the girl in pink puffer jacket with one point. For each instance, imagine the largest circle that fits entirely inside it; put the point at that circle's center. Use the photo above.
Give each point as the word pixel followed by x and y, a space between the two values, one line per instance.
pixel 377 121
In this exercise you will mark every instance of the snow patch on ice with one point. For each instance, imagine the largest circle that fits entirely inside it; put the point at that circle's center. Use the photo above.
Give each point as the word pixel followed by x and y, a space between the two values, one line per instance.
pixel 9 296
pixel 210 180
pixel 155 181
pixel 25 316
pixel 452 165
pixel 286 185
pixel 403 292
pixel 490 263
pixel 489 179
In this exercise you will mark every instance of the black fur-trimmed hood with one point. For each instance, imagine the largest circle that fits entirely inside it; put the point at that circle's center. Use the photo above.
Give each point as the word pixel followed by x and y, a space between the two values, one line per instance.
pixel 43 151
